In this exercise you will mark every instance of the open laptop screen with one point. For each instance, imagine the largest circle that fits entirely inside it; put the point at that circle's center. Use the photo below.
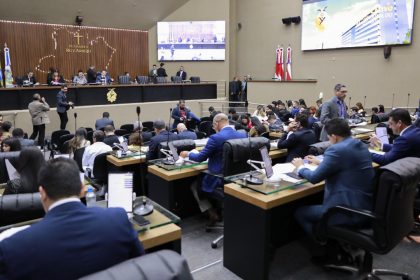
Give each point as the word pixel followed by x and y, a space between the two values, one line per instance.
pixel 120 190
pixel 267 161
pixel 173 150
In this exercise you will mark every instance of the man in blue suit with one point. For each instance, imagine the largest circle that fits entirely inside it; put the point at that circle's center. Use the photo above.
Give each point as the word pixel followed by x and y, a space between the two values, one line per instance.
pixel 181 114
pixel 184 133
pixel 101 123
pixel 103 78
pixel 63 106
pixel 406 145
pixel 298 139
pixel 72 240
pixel 348 174
pixel 162 135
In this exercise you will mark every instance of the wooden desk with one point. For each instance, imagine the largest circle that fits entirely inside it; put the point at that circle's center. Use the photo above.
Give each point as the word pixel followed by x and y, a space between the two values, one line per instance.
pixel 125 161
pixel 168 236
pixel 277 153
pixel 276 134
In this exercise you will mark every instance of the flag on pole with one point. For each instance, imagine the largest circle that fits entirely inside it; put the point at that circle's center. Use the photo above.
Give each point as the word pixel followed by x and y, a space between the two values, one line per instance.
pixel 7 67
pixel 279 64
pixel 1 76
pixel 288 69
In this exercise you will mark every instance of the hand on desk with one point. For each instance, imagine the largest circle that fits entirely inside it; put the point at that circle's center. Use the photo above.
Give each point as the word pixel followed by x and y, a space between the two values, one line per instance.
pixel 297 162
pixel 312 160
pixel 375 141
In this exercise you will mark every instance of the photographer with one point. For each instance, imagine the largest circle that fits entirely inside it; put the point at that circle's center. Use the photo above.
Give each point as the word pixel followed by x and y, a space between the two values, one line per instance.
pixel 38 109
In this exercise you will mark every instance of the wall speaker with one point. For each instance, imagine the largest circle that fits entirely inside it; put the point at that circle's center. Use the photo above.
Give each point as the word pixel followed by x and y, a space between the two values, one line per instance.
pixel 287 21
pixel 387 52
pixel 296 20
pixel 239 26
pixel 79 20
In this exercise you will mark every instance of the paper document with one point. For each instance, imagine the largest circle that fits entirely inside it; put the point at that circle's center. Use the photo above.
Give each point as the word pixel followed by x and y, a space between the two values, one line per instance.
pixel 120 190
pixel 382 134
pixel 201 142
pixel 282 168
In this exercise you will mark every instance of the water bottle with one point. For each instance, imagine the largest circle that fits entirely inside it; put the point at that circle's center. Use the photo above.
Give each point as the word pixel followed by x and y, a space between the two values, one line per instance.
pixel 90 197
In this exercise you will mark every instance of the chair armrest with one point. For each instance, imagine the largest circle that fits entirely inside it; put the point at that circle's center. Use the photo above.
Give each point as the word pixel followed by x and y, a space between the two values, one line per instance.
pixel 212 174
pixel 349 212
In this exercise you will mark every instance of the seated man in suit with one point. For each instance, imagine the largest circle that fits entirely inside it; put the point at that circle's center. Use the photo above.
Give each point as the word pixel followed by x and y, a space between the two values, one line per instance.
pixel 184 133
pixel 19 134
pixel 213 152
pixel 181 114
pixel 29 79
pixel 98 147
pixel 104 78
pixel 162 135
pixel 348 174
pixel 298 139
pixel 100 123
pixel 406 145
pixel 110 137
pixel 70 233
pixel 181 73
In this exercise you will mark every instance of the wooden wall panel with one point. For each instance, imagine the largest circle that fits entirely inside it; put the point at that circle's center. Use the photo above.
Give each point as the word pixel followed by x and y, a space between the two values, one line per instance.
pixel 39 46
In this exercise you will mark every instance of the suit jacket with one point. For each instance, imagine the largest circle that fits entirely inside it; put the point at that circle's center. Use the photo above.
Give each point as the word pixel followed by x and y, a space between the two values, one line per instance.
pixel 348 174
pixel 91 76
pixel 71 241
pixel 100 123
pixel 235 87
pixel 213 151
pixel 176 115
pixel 62 104
pixel 406 145
pixel 297 144
pixel 183 76
pixel 154 144
pixel 161 72
pixel 107 79
pixel 329 111
pixel 186 134
pixel 38 111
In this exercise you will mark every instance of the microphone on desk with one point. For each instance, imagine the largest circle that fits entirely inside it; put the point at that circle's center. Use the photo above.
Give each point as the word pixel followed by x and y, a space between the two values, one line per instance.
pixel 145 208
pixel 75 122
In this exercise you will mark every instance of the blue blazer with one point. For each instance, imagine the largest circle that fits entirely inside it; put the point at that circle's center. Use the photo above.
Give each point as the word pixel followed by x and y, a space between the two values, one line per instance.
pixel 70 242
pixel 186 134
pixel 176 115
pixel 213 152
pixel 62 104
pixel 348 174
pixel 107 79
pixel 297 144
pixel 153 152
pixel 406 145
pixel 103 122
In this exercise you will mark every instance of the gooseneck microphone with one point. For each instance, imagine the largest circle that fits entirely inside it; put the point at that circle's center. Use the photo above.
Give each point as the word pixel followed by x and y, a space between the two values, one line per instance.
pixel 75 122
pixel 364 102
pixel 168 160
pixel 349 101
pixel 408 100
pixel 393 97
pixel 145 208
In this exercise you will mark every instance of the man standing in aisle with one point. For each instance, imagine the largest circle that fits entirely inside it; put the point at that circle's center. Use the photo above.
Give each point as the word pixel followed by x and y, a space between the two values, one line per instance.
pixel 334 108
pixel 38 109
pixel 63 106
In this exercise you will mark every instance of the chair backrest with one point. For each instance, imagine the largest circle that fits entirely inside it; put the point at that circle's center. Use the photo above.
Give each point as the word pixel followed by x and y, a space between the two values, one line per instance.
pixel 148 125
pixel 236 152
pixel 142 79
pixel 88 129
pixel 89 136
pixel 123 79
pixel 394 202
pixel 161 80
pixel 176 79
pixel 183 145
pixel 64 149
pixel 55 136
pixel 121 132
pixel 317 128
pixel 162 265
pixel 200 135
pixel 206 119
pixel 207 128
pixel 78 156
pixel 12 157
pixel 129 127
pixel 63 139
pixel 100 169
pixel 16 208
pixel 195 79
pixel 318 148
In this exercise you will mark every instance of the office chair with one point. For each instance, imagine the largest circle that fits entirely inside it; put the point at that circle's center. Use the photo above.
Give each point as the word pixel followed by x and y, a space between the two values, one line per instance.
pixel 55 138
pixel 124 80
pixel 128 127
pixel 142 79
pixel 206 119
pixel 161 80
pixel 65 148
pixel 389 222
pixel 89 136
pixel 121 132
pixel 317 128
pixel 318 148
pixel 15 208
pixel 78 156
pixel 88 129
pixel 62 140
pixel 207 128
pixel 100 174
pixel 195 79
pixel 236 152
pixel 176 79
pixel 200 135
pixel 148 125
pixel 13 158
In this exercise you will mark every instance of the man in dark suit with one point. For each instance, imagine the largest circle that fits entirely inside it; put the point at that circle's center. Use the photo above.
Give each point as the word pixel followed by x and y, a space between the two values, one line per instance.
pixel 161 72
pixel 91 75
pixel 110 137
pixel 234 90
pixel 348 174
pixel 334 108
pixel 406 145
pixel 181 73
pixel 184 133
pixel 63 106
pixel 100 123
pixel 29 80
pixel 298 139
pixel 162 135
pixel 72 240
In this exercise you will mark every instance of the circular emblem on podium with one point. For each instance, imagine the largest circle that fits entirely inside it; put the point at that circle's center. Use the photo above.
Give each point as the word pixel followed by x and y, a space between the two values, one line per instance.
pixel 111 96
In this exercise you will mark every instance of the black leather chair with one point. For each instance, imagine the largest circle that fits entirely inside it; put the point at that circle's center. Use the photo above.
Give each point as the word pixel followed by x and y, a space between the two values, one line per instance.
pixel 318 148
pixel 78 156
pixel 162 265
pixel 55 138
pixel 89 136
pixel 161 80
pixel 389 222
pixel 176 79
pixel 148 125
pixel 62 140
pixel 12 157
pixel 128 127
pixel 121 132
pixel 65 148
pixel 15 208
pixel 200 135
pixel 88 129
pixel 100 171
pixel 236 152
pixel 124 80
pixel 184 145
pixel 195 79
pixel 142 79
pixel 207 128
pixel 317 128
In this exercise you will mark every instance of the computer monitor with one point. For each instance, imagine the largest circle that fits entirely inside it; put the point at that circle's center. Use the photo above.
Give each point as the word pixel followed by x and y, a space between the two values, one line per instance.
pixel 120 190
pixel 267 162
pixel 174 151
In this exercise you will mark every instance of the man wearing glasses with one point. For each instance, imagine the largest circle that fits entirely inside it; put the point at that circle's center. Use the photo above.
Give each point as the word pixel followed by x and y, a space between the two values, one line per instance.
pixel 334 108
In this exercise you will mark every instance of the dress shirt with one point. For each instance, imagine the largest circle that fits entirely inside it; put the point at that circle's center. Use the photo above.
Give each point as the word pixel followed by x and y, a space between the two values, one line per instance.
pixel 62 201
pixel 341 107
pixel 92 151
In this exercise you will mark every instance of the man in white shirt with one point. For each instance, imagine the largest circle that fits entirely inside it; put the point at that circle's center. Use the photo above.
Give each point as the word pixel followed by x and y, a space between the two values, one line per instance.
pixel 98 147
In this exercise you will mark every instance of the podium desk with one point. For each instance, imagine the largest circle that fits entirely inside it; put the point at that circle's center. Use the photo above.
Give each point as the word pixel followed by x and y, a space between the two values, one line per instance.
pixel 255 222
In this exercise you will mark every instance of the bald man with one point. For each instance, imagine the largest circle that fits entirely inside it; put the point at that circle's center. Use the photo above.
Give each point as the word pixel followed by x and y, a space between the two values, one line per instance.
pixel 184 133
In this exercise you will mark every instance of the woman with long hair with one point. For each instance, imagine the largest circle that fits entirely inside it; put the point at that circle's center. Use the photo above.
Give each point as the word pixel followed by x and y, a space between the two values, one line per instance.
pixel 78 141
pixel 29 163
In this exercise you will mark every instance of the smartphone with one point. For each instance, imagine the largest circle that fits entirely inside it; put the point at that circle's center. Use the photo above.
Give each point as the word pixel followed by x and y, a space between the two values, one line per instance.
pixel 140 220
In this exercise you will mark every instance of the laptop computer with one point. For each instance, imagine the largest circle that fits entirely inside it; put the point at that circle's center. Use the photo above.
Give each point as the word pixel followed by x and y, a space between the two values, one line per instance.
pixel 267 162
